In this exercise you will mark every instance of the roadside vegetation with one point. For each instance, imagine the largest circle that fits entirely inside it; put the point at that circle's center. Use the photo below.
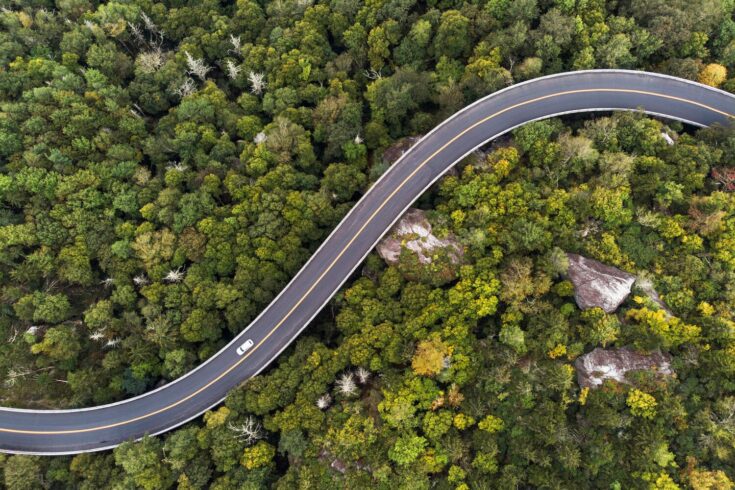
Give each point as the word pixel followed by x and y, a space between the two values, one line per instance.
pixel 166 168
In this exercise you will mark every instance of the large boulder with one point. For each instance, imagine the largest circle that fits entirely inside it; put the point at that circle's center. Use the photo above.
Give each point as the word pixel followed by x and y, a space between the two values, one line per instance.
pixel 413 231
pixel 597 284
pixel 646 286
pixel 394 151
pixel 439 257
pixel 595 367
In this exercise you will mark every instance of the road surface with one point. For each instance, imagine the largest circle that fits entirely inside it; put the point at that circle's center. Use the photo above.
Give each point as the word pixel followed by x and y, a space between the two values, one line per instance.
pixel 92 429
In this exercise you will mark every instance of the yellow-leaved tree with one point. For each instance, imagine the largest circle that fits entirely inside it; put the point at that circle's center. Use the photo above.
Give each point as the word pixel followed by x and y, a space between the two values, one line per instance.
pixel 428 359
pixel 713 75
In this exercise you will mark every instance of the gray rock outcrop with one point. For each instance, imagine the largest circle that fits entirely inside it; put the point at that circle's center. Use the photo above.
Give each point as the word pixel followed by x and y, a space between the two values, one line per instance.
pixel 595 367
pixel 646 286
pixel 597 284
pixel 413 231
pixel 394 151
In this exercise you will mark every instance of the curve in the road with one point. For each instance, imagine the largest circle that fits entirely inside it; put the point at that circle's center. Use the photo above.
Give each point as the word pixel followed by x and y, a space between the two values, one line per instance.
pixel 96 428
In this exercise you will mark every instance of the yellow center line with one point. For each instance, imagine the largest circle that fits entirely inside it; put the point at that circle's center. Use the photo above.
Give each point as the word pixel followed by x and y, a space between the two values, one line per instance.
pixel 352 240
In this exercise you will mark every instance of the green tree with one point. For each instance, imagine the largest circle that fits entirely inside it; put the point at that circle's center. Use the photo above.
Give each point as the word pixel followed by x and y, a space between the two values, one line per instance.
pixel 342 181
pixel 23 473
pixel 143 465
pixel 428 360
pixel 59 343
pixel 397 97
pixel 406 449
pixel 258 456
pixel 451 38
pixel 43 307
pixel 641 404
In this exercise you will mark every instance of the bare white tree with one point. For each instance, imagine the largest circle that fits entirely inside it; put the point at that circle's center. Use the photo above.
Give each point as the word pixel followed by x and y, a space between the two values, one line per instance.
pixel 187 87
pixel 17 374
pixel 137 33
pixel 590 227
pixel 372 74
pixel 178 166
pixel 150 38
pixel 150 25
pixel 249 431
pixel 446 362
pixel 152 60
pixel 232 69
pixel 174 275
pixel 112 343
pixel 236 44
pixel 197 67
pixel 140 280
pixel 358 139
pixel 107 282
pixel 96 335
pixel 14 375
pixel 346 384
pixel 324 401
pixel 257 82
pixel 363 375
pixel 260 138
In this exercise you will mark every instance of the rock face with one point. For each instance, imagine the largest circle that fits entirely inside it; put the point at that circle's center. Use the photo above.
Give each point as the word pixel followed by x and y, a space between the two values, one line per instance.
pixel 334 463
pixel 394 151
pixel 597 284
pixel 601 364
pixel 413 231
pixel 646 286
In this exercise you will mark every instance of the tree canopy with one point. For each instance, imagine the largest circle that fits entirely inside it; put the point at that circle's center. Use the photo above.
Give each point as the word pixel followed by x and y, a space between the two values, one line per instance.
pixel 167 167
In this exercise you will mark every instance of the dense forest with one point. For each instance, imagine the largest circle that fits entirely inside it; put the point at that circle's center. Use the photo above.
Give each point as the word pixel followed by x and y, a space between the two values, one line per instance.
pixel 166 168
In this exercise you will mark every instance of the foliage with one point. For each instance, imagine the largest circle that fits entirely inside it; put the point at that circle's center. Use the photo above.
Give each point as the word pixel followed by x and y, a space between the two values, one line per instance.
pixel 165 168
pixel 641 404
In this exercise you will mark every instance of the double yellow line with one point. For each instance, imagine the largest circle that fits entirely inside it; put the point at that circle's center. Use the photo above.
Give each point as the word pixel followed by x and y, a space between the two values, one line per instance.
pixel 355 237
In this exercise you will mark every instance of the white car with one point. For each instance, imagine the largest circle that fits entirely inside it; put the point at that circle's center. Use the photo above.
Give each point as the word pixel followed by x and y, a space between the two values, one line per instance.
pixel 244 347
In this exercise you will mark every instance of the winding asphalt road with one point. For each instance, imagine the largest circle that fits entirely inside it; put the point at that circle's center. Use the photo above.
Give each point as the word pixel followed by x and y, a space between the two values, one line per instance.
pixel 93 429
